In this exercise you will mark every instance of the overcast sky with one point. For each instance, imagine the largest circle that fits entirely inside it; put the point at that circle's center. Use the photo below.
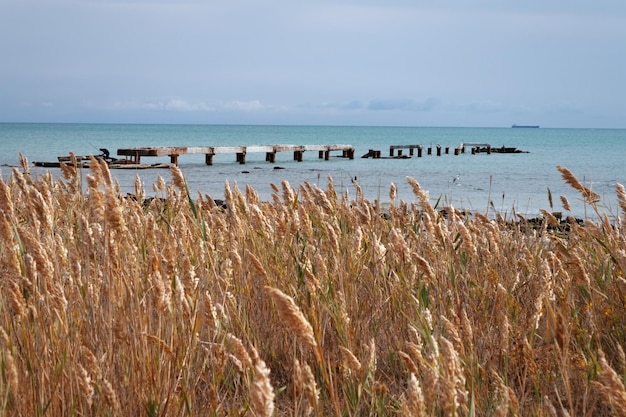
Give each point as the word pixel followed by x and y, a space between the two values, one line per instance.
pixel 559 63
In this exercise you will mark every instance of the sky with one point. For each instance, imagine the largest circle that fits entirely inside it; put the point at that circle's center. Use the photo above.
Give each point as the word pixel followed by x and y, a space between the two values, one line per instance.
pixel 558 63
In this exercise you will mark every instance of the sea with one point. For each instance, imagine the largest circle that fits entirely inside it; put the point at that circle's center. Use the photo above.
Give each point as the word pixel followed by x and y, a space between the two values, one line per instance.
pixel 511 184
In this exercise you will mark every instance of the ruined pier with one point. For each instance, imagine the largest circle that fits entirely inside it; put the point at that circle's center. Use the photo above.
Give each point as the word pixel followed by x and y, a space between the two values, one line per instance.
pixel 134 155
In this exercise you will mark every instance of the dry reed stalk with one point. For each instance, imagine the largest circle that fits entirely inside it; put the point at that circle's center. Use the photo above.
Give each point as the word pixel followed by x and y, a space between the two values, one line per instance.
pixel 621 199
pixel 298 378
pixel 115 214
pixel 178 179
pixel 306 192
pixel 502 409
pixel 44 266
pixel 357 240
pixel 242 205
pixel 161 185
pixel 310 386
pixel 85 384
pixel 228 195
pixel 363 215
pixel 6 200
pixel 313 284
pixel 408 361
pixel 257 266
pixel 611 386
pixel 358 191
pixel 398 244
pixel 423 197
pixel 379 251
pixel 349 359
pixel 15 297
pixel 429 366
pixel 305 224
pixel 162 297
pixel 330 187
pixel 372 361
pixel 569 178
pixel 565 203
pixel 181 299
pixel 8 237
pixel 550 199
pixel 96 200
pixel 209 312
pixel 104 169
pixel 467 332
pixel 393 193
pixel 110 396
pixel 238 350
pixel 12 375
pixel 549 217
pixel 93 365
pixel 304 383
pixel 579 272
pixel 424 266
pixel 261 391
pixel 621 356
pixel 468 241
pixel 452 333
pixel 547 404
pixel 252 197
pixel 289 195
pixel 320 265
pixel 453 393
pixel 413 404
pixel 291 314
pixel 322 201
pixel 140 192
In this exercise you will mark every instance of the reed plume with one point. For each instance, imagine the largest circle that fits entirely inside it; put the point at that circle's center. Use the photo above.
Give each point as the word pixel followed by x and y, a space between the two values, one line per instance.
pixel 589 196
pixel 292 316
pixel 238 350
pixel 611 386
pixel 621 199
pixel 413 405
pixel 261 391
pixel 349 359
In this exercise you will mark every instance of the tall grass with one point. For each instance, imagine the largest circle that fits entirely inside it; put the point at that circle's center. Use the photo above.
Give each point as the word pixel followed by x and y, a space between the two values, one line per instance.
pixel 309 304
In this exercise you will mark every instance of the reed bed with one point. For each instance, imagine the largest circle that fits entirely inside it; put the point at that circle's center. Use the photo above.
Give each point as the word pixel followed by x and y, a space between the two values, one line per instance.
pixel 311 304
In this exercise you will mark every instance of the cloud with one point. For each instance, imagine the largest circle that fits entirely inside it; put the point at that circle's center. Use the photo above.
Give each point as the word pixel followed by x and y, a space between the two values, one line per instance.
pixel 247 106
pixel 183 105
pixel 175 104
pixel 480 107
pixel 402 104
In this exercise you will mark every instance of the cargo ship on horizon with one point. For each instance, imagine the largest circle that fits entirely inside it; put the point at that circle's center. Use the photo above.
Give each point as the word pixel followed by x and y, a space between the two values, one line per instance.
pixel 526 126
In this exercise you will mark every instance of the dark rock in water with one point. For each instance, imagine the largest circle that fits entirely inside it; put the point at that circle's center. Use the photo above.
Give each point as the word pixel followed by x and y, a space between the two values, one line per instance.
pixel 220 203
pixel 245 172
pixel 563 225
pixel 279 168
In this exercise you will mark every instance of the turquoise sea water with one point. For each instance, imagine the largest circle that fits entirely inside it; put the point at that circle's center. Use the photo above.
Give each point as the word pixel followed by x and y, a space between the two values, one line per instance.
pixel 510 183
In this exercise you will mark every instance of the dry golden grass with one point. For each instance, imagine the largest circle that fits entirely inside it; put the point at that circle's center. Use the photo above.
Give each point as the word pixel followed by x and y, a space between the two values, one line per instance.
pixel 309 304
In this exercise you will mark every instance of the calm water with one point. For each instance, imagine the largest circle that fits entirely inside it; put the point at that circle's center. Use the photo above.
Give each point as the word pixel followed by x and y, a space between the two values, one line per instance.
pixel 512 182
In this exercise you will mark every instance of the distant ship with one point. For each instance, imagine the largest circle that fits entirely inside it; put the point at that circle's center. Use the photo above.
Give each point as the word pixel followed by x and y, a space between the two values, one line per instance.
pixel 526 126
